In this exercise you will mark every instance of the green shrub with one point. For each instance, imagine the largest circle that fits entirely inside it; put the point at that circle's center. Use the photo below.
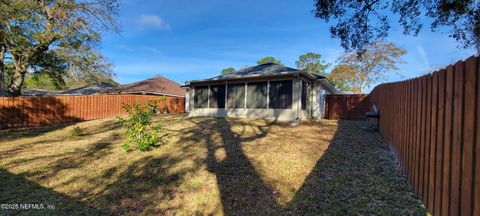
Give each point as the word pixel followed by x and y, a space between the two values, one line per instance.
pixel 140 135
pixel 76 131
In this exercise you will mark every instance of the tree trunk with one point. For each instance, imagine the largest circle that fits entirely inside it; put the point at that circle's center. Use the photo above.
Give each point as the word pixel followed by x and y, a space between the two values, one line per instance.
pixel 2 69
pixel 16 81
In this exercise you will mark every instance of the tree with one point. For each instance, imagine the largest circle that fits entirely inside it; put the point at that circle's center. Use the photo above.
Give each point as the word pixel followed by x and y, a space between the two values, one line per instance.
pixel 30 30
pixel 312 63
pixel 40 81
pixel 139 133
pixel 355 72
pixel 269 59
pixel 228 71
pixel 85 67
pixel 361 23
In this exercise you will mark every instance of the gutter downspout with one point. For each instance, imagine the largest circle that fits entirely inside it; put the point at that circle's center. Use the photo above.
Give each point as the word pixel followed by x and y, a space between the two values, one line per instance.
pixel 311 96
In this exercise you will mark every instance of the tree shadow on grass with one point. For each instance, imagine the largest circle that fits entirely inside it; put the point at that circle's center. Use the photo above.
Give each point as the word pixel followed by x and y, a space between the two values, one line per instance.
pixel 16 189
pixel 355 175
pixel 235 171
pixel 140 187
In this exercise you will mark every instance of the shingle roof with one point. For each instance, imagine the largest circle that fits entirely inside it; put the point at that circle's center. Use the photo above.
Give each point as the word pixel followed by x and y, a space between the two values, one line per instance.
pixel 157 85
pixel 40 92
pixel 267 69
pixel 98 88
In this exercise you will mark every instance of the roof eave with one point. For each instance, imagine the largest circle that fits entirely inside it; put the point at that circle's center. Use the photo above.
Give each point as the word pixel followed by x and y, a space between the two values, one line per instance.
pixel 147 92
pixel 188 83
pixel 329 85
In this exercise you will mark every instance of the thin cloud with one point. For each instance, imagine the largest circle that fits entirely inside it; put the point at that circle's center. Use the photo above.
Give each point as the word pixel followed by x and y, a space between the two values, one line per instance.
pixel 126 48
pixel 148 20
pixel 424 56
pixel 151 49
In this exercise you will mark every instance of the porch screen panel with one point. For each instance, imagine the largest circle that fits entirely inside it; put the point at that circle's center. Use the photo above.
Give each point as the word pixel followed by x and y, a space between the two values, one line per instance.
pixel 257 95
pixel 236 95
pixel 201 97
pixel 217 96
pixel 280 94
pixel 304 95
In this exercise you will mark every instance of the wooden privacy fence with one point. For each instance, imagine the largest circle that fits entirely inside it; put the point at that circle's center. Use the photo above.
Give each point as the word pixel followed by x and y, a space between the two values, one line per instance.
pixel 432 124
pixel 346 106
pixel 37 111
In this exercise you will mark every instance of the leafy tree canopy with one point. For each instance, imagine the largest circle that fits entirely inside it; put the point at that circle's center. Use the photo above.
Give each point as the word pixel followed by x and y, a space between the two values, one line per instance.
pixel 361 23
pixel 312 63
pixel 354 72
pixel 54 37
pixel 269 59
pixel 228 71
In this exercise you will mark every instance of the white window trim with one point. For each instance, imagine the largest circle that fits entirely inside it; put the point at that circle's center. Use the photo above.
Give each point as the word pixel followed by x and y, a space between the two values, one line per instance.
pixel 226 97
pixel 193 98
pixel 245 102
pixel 208 97
pixel 268 94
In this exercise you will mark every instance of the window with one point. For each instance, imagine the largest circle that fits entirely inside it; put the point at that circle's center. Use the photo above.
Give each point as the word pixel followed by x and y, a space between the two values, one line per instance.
pixel 236 95
pixel 280 95
pixel 304 95
pixel 217 96
pixel 257 95
pixel 201 97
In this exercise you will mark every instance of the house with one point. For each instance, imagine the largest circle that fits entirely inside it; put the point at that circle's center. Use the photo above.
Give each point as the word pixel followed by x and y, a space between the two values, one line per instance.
pixel 154 86
pixel 95 89
pixel 269 91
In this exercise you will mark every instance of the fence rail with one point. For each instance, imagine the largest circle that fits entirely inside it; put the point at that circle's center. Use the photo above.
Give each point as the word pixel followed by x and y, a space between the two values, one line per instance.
pixel 346 106
pixel 37 111
pixel 432 123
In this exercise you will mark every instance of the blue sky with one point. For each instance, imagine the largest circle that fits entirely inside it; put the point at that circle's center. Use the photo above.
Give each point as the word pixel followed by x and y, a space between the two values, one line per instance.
pixel 185 39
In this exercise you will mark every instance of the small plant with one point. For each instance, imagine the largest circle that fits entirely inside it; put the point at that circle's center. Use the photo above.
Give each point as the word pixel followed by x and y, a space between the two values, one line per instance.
pixel 76 131
pixel 139 133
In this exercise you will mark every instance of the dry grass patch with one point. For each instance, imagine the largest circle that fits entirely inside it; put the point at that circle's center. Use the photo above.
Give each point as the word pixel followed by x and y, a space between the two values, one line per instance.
pixel 207 166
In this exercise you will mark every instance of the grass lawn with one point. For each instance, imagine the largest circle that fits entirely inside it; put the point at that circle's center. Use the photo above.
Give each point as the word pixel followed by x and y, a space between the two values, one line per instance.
pixel 206 166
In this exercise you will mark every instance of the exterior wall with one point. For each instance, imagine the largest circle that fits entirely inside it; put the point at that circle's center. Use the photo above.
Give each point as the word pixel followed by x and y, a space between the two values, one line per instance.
pixel 319 93
pixel 271 114
pixel 187 100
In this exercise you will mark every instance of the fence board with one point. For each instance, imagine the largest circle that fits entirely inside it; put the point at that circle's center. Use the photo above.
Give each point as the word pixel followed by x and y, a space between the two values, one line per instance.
pixel 427 139
pixel 36 111
pixel 416 128
pixel 457 140
pixel 433 141
pixel 468 136
pixel 448 140
pixel 476 189
pixel 440 142
pixel 418 110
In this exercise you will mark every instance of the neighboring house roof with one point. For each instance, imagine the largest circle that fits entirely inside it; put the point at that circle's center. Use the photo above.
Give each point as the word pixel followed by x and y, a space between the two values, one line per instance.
pixel 157 85
pixel 40 92
pixel 266 70
pixel 99 88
